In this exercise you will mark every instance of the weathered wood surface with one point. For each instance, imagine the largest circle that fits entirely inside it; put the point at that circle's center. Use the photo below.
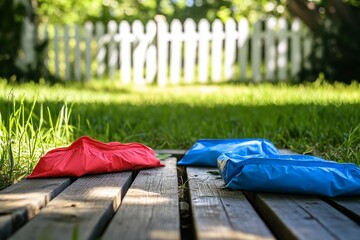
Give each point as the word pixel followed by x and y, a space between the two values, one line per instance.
pixel 22 201
pixel 220 213
pixel 303 217
pixel 106 206
pixel 150 209
pixel 348 205
pixel 173 152
pixel 82 210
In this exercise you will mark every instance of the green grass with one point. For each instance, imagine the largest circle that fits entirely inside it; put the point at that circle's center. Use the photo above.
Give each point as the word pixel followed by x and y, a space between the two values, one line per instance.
pixel 318 119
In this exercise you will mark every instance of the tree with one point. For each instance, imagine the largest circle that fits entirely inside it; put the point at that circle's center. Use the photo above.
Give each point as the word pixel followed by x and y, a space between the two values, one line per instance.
pixel 336 28
pixel 74 11
pixel 10 35
pixel 21 56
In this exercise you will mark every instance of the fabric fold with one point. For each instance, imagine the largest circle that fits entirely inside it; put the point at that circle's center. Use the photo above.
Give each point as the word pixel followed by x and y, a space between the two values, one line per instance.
pixel 89 156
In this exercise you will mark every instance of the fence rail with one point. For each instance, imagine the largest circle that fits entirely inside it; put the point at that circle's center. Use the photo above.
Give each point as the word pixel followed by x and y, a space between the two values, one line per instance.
pixel 175 53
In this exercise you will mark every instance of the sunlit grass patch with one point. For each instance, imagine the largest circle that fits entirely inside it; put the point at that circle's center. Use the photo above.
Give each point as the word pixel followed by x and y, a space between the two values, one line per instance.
pixel 318 118
pixel 26 134
pixel 241 94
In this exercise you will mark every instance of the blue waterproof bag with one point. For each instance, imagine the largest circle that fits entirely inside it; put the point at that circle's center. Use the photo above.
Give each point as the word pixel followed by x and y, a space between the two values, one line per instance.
pixel 206 151
pixel 292 174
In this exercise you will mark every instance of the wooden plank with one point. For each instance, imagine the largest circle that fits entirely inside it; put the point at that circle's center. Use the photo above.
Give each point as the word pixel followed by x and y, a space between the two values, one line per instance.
pixel 350 206
pixel 220 213
pixel 22 201
pixel 177 153
pixel 303 217
pixel 150 209
pixel 82 210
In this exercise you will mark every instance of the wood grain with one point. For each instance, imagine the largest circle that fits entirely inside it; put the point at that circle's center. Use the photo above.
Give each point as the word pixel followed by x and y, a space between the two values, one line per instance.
pixel 150 209
pixel 81 211
pixel 303 217
pixel 350 206
pixel 221 213
pixel 174 152
pixel 22 201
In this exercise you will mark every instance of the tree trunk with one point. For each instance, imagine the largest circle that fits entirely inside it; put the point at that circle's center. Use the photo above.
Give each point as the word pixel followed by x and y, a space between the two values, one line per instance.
pixel 309 13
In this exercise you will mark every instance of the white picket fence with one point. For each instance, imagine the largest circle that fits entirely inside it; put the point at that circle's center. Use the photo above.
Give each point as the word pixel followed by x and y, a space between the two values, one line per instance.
pixel 179 53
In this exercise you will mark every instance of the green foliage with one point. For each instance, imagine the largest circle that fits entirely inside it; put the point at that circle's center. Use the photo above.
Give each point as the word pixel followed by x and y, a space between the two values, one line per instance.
pixel 336 49
pixel 26 132
pixel 72 11
pixel 10 35
pixel 21 54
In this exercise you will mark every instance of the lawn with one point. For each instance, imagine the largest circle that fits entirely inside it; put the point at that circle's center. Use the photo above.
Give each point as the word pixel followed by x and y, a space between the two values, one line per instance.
pixel 318 119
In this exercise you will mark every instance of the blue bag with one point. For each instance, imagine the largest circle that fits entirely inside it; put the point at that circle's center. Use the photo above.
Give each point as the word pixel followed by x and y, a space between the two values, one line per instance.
pixel 206 151
pixel 292 174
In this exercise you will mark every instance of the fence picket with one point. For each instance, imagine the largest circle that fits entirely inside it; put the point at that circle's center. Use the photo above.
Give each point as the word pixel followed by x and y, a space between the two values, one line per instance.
pixel 270 57
pixel 282 49
pixel 46 51
pixel 139 52
pixel 88 50
pixel 307 44
pixel 190 50
pixel 198 52
pixel 151 63
pixel 175 51
pixel 203 50
pixel 216 50
pixel 56 52
pixel 162 40
pixel 77 62
pixel 125 52
pixel 256 52
pixel 112 49
pixel 101 50
pixel 243 46
pixel 295 48
pixel 67 53
pixel 230 49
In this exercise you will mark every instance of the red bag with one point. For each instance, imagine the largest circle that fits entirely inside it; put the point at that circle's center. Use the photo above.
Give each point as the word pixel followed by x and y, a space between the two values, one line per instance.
pixel 88 156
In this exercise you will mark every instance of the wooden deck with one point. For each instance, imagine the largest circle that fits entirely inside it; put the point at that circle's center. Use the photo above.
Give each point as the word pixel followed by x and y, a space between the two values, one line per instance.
pixel 167 203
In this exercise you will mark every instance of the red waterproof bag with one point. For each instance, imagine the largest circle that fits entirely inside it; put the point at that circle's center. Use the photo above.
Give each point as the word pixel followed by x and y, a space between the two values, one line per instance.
pixel 88 156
